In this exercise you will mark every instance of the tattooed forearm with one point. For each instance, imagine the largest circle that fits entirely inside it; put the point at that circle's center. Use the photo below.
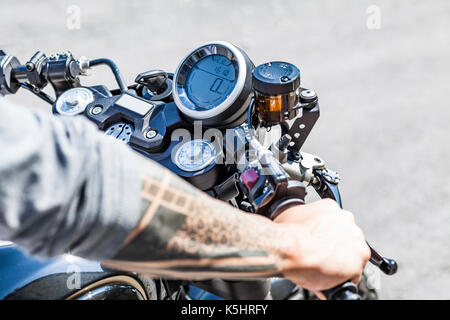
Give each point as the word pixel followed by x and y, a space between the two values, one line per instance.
pixel 185 233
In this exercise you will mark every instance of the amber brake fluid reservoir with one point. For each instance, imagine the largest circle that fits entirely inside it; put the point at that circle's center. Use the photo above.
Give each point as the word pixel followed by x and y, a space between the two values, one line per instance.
pixel 276 86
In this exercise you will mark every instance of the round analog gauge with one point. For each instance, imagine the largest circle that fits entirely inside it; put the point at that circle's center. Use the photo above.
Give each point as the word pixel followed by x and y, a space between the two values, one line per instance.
pixel 74 101
pixel 195 155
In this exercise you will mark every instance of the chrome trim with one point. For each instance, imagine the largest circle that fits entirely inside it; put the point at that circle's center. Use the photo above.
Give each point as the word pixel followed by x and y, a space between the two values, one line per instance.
pixel 113 292
pixel 240 82
pixel 107 285
pixel 5 243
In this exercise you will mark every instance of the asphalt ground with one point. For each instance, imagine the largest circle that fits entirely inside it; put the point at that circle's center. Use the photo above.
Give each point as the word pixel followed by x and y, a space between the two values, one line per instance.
pixel 382 75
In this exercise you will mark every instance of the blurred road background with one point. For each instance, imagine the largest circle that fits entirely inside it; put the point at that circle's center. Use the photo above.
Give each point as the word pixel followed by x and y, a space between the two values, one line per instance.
pixel 385 116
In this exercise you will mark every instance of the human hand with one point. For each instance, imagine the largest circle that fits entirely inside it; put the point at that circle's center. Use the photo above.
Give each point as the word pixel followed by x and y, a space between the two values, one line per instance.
pixel 329 249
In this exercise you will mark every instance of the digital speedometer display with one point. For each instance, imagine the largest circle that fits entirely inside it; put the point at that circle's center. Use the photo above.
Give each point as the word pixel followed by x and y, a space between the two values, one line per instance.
pixel 213 84
pixel 211 81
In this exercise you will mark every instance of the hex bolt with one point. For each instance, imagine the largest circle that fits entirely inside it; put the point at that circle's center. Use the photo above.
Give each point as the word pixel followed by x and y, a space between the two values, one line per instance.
pixel 150 134
pixel 97 110
pixel 308 94
pixel 284 142
pixel 29 66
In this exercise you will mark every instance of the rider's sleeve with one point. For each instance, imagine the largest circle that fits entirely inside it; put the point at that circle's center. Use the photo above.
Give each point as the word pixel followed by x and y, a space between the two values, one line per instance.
pixel 64 186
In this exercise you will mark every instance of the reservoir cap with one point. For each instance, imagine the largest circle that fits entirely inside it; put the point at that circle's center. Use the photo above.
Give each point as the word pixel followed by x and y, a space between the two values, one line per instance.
pixel 276 77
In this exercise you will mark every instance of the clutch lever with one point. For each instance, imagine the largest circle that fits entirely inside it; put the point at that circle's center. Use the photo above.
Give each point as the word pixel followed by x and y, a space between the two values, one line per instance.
pixel 326 185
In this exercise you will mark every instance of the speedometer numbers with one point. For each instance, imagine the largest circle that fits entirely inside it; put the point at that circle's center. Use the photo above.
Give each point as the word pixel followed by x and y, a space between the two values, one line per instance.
pixel 213 84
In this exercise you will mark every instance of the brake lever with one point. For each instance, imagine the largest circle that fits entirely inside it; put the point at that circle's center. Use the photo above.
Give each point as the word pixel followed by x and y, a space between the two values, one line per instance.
pixel 326 186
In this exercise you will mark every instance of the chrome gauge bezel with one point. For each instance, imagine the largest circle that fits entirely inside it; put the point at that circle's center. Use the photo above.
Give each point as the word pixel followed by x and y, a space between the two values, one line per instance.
pixel 79 109
pixel 180 148
pixel 226 49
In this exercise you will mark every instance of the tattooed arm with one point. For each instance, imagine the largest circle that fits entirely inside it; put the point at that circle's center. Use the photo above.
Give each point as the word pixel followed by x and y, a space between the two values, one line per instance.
pixel 186 234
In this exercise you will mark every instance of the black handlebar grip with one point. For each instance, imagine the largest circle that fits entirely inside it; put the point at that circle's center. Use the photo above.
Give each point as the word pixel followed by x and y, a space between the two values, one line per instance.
pixel 344 291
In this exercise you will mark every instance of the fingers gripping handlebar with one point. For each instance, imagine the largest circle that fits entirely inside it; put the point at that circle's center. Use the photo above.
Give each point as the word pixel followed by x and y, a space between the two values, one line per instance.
pixel 271 190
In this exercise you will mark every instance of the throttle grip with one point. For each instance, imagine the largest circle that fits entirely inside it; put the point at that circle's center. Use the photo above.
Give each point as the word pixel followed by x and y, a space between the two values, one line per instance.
pixel 344 291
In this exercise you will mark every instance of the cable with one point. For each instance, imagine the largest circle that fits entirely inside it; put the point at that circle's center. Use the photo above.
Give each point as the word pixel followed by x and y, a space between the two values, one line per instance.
pixel 249 117
pixel 181 288
pixel 38 92
pixel 167 288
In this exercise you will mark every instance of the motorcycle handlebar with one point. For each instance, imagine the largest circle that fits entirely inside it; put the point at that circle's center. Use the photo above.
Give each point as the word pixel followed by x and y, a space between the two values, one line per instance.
pixel 345 291
pixel 61 70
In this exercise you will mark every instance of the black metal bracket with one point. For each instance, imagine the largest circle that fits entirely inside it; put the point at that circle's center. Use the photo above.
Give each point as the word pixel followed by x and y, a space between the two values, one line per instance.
pixel 300 128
